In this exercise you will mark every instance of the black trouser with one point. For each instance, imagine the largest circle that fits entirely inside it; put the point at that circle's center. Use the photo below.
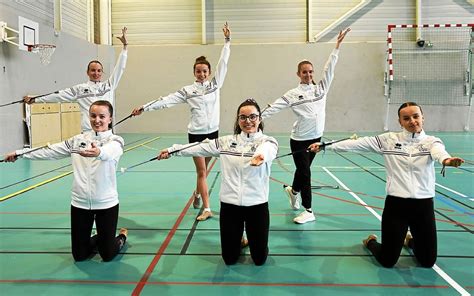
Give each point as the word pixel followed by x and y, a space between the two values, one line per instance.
pixel 83 245
pixel 398 215
pixel 255 220
pixel 302 178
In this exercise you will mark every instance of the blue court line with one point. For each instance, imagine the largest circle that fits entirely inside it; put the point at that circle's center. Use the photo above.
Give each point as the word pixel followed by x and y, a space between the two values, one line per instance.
pixel 453 205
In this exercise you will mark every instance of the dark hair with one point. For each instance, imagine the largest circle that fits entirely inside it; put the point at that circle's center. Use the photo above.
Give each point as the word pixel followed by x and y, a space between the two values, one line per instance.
pixel 108 105
pixel 94 61
pixel 248 102
pixel 304 62
pixel 408 104
pixel 201 60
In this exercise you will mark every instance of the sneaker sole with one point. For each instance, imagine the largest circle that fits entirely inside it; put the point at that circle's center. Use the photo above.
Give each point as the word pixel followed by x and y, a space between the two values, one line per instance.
pixel 203 218
pixel 305 221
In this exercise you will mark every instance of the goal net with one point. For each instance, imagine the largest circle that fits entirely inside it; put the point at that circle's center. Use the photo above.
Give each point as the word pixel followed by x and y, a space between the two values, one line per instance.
pixel 433 69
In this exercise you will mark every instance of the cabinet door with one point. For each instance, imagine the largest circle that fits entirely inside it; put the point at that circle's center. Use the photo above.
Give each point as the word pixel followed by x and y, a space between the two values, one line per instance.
pixel 70 124
pixel 40 108
pixel 45 128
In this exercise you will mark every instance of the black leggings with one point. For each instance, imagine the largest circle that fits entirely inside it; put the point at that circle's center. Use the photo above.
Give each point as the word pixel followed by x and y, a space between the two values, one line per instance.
pixel 302 178
pixel 255 220
pixel 83 245
pixel 398 215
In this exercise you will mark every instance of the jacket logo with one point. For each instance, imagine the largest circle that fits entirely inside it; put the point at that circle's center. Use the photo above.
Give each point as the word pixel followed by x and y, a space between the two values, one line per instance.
pixel 82 145
pixel 421 148
pixel 398 146
pixel 86 90
pixel 300 97
pixel 233 145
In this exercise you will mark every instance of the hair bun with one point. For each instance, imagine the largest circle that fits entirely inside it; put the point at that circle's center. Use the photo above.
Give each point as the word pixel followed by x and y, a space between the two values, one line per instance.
pixel 201 59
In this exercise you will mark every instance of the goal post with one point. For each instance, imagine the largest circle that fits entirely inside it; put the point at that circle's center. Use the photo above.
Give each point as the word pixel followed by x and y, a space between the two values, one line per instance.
pixel 435 69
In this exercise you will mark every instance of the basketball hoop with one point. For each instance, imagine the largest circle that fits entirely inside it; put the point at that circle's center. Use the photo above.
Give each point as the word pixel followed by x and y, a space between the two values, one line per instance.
pixel 45 51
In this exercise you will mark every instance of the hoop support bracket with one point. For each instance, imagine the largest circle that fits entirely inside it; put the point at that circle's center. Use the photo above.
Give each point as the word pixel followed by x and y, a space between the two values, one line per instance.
pixel 4 33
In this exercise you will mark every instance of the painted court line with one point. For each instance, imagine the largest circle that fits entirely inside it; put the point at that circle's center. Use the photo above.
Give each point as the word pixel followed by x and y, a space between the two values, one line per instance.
pixel 143 281
pixel 353 195
pixel 237 284
pixel 451 190
pixel 443 274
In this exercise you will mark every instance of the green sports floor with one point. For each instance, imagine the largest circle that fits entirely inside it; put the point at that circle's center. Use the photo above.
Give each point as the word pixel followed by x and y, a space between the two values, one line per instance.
pixel 169 253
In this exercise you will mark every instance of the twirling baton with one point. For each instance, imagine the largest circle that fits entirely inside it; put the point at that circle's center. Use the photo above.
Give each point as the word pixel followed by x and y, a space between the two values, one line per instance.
pixel 35 97
pixel 29 151
pixel 123 170
pixel 322 145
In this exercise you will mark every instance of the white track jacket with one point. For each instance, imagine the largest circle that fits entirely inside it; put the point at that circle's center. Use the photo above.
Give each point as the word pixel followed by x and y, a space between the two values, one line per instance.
pixel 308 102
pixel 242 184
pixel 202 98
pixel 88 92
pixel 409 160
pixel 95 185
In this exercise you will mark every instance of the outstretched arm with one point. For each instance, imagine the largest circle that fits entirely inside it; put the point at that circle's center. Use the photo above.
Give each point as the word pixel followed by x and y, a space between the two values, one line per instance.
pixel 170 100
pixel 221 69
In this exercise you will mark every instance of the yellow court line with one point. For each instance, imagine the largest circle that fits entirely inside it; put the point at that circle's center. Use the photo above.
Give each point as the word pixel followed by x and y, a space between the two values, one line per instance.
pixel 144 143
pixel 62 175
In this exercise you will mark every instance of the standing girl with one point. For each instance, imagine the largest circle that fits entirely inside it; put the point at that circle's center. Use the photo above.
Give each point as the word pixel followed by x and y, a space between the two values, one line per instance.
pixel 93 90
pixel 308 102
pixel 203 98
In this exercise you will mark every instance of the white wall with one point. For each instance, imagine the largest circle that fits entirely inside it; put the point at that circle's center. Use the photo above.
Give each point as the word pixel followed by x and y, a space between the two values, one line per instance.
pixel 262 71
pixel 265 72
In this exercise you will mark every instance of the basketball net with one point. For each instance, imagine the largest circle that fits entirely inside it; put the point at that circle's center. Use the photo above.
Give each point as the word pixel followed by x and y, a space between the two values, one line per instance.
pixel 45 52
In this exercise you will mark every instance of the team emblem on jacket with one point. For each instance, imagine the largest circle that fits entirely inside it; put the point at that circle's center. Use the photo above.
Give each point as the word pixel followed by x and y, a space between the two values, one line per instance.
pixel 422 148
pixel 398 146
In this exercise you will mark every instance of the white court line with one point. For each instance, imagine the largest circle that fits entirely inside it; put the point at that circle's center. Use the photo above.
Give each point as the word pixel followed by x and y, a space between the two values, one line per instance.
pixel 435 267
pixel 453 191
pixel 354 195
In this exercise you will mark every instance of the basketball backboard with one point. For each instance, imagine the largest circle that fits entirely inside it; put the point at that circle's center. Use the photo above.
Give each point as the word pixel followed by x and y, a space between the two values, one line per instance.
pixel 28 33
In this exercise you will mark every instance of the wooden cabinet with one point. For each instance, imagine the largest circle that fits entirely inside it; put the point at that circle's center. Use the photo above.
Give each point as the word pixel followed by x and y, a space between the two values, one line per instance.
pixel 52 122
pixel 70 120
pixel 45 124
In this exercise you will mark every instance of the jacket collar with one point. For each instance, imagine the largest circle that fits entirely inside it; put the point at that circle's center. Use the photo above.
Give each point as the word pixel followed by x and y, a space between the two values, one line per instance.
pixel 204 84
pixel 305 87
pixel 250 137
pixel 102 135
pixel 408 135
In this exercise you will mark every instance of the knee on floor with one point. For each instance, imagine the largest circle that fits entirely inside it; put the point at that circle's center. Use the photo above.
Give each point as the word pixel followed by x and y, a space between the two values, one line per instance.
pixel 80 257
pixel 230 260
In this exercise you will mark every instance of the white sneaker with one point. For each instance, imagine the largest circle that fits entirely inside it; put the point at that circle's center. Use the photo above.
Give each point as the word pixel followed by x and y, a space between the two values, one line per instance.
pixel 304 217
pixel 294 202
